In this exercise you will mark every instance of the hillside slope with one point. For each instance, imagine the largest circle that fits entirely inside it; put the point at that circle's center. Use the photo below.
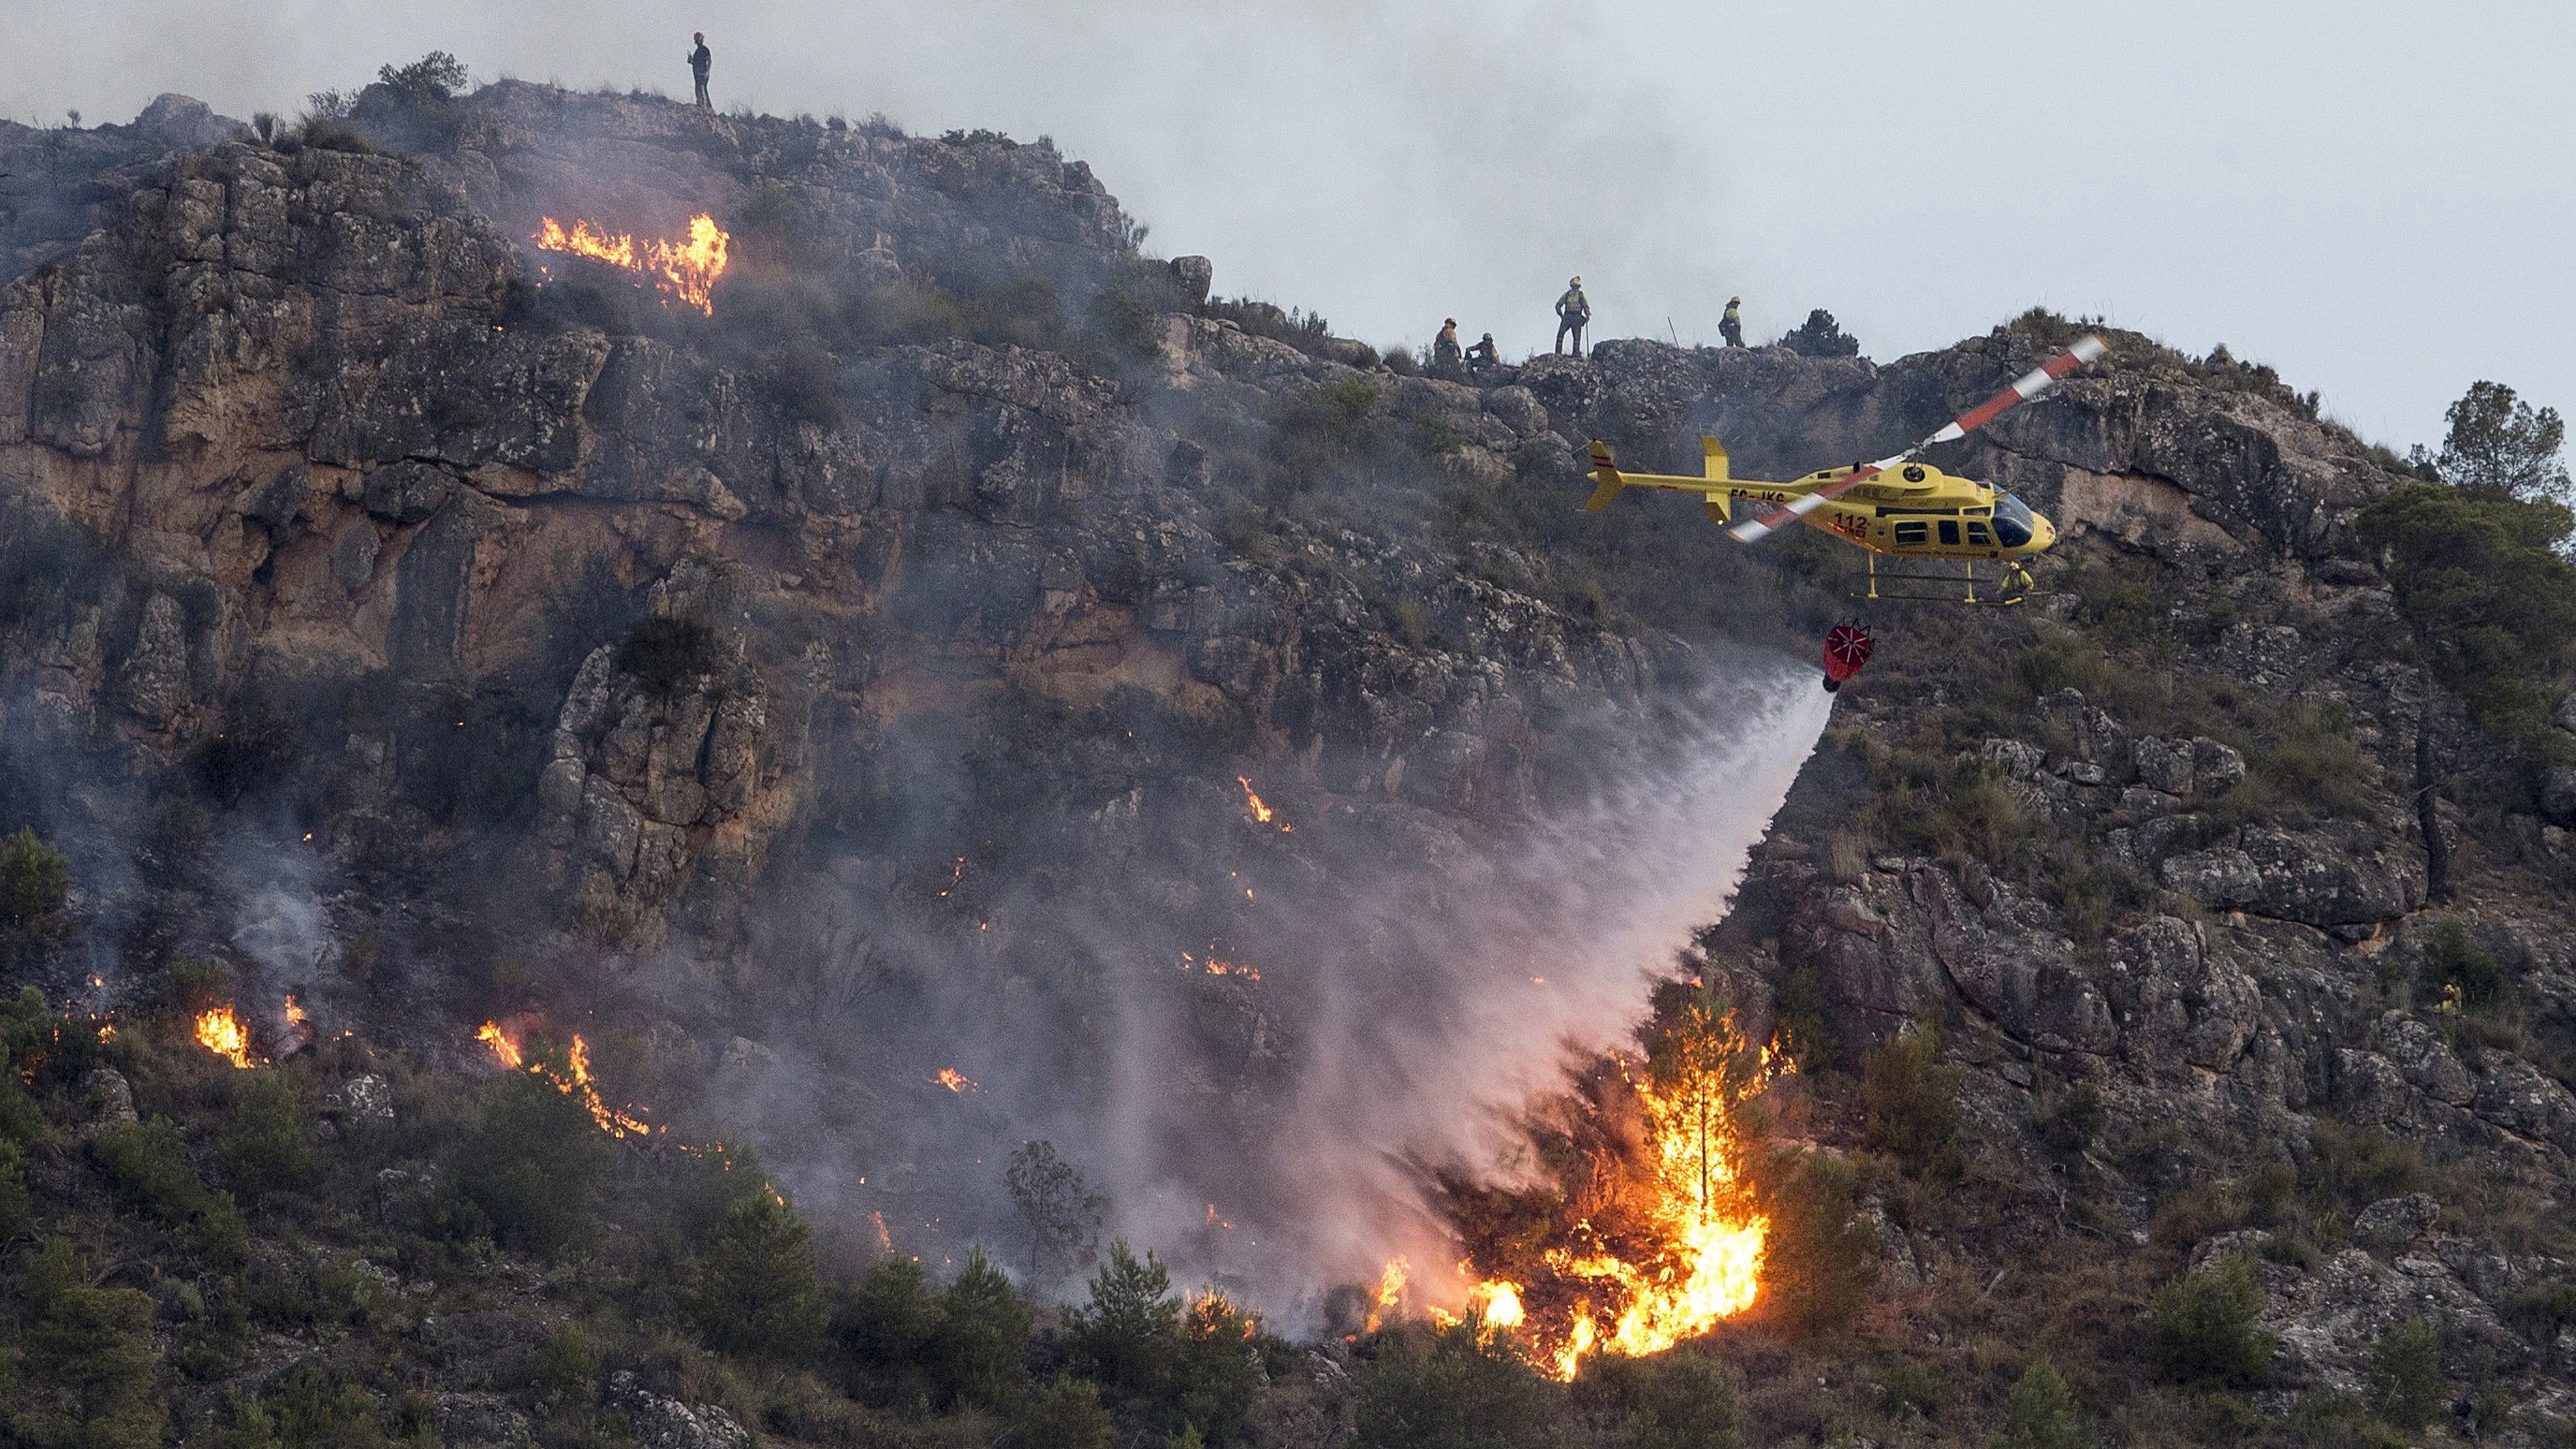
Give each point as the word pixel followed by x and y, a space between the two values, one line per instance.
pixel 894 670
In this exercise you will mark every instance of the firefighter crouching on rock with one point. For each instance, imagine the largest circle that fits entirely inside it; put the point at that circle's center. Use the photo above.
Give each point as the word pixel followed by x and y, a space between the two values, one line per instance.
pixel 1483 357
pixel 1572 312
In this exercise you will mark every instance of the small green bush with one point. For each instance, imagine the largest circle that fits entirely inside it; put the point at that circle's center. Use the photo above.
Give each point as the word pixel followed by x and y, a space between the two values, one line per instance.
pixel 983 1338
pixel 85 1371
pixel 528 1171
pixel 1129 1334
pixel 35 885
pixel 2455 968
pixel 1669 1401
pixel 2405 1385
pixel 1912 1098
pixel 149 1166
pixel 1819 1260
pixel 756 1292
pixel 2200 1328
pixel 1457 1388
pixel 1069 1416
pixel 266 1145
pixel 2041 1412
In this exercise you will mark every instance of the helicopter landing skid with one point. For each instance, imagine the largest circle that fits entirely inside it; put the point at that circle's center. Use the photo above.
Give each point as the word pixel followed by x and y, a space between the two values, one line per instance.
pixel 1965 581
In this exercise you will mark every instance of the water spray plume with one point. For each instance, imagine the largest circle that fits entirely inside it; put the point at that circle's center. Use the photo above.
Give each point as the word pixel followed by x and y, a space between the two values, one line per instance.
pixel 221 1032
pixel 687 269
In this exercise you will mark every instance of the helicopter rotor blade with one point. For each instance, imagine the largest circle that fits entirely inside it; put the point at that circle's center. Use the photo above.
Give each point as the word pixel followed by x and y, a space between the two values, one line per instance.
pixel 2029 385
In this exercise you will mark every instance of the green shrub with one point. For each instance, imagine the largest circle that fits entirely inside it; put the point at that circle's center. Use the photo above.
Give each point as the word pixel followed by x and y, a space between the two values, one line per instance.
pixel 17 1214
pixel 1819 1260
pixel 1669 1401
pixel 35 884
pixel 1911 1096
pixel 2041 1412
pixel 1457 1388
pixel 266 1145
pixel 222 1235
pixel 2200 1329
pixel 1069 1416
pixel 86 1364
pixel 2357 1166
pixel 888 1324
pixel 2070 1120
pixel 2456 969
pixel 2493 599
pixel 149 1166
pixel 2405 1385
pixel 1129 1334
pixel 983 1337
pixel 756 1292
pixel 316 1409
pixel 530 1168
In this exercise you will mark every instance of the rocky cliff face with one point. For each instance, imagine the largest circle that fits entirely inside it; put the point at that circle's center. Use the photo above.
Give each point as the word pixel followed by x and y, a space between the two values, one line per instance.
pixel 874 666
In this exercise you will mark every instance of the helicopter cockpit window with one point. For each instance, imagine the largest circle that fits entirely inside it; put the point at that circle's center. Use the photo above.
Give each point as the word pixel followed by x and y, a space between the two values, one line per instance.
pixel 2013 525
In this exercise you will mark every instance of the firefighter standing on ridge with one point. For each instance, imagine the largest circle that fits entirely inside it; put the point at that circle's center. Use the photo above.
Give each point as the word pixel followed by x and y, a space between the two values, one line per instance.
pixel 1572 313
pixel 1444 348
pixel 1731 326
pixel 700 60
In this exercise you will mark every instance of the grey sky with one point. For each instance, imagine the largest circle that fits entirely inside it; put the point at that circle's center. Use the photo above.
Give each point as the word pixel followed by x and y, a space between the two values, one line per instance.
pixel 2377 198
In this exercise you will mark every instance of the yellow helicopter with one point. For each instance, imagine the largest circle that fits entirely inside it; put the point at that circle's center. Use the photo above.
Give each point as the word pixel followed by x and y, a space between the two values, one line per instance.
pixel 1909 511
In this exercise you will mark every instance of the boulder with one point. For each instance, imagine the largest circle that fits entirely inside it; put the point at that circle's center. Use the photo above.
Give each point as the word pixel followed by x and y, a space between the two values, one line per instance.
pixel 659 1422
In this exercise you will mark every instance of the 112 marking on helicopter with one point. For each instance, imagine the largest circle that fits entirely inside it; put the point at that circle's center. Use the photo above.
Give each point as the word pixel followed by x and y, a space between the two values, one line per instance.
pixel 1897 507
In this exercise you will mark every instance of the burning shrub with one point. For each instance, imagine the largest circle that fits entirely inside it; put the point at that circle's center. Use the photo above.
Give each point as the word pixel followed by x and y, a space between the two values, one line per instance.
pixel 1455 1388
pixel 2200 1329
pixel 756 1292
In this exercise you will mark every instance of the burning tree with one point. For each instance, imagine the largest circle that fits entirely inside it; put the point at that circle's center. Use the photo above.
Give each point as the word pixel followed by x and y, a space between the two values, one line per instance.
pixel 1651 1233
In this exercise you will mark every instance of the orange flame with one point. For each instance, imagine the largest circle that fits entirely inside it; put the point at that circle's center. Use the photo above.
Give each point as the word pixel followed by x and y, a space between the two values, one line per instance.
pixel 222 1033
pixel 575 1082
pixel 1261 810
pixel 953 1079
pixel 502 1047
pixel 687 270
pixel 1711 1268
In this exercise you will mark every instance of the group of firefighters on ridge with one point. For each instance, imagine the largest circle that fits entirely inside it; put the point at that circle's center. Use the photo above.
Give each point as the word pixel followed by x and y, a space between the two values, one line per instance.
pixel 1573 315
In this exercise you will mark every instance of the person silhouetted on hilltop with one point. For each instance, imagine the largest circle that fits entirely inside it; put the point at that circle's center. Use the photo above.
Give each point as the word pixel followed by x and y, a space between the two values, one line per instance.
pixel 1483 357
pixel 1731 326
pixel 700 61
pixel 1572 313
pixel 1444 348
